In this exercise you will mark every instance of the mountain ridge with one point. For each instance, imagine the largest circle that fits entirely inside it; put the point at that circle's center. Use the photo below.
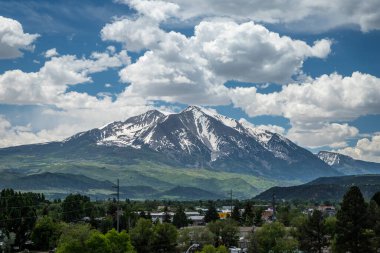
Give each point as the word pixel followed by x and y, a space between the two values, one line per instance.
pixel 348 165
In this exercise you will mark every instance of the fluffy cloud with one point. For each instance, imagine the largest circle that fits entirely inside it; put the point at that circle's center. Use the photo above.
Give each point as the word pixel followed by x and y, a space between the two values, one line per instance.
pixel 60 124
pixel 13 39
pixel 176 68
pixel 365 149
pixel 327 98
pixel 49 84
pixel 51 53
pixel 251 53
pixel 307 15
pixel 315 108
pixel 319 135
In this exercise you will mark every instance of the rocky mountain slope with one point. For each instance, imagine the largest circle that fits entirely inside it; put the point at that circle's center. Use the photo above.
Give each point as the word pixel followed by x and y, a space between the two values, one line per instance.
pixel 196 147
pixel 347 165
pixel 201 138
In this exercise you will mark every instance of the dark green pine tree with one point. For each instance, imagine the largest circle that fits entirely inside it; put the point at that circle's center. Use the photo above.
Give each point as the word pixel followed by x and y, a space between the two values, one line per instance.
pixel 248 214
pixel 258 221
pixel 212 213
pixel 180 219
pixel 166 218
pixel 352 222
pixel 374 218
pixel 235 215
pixel 376 198
pixel 312 235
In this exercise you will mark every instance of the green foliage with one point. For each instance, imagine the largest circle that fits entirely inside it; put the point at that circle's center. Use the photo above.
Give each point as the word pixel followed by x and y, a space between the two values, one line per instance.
pixel 248 214
pixel 18 213
pixel 212 249
pixel 374 221
pixel 258 221
pixel 46 233
pixel 376 198
pixel 212 213
pixel 166 218
pixel 119 242
pixel 97 243
pixel 272 237
pixel 75 207
pixel 189 235
pixel 226 232
pixel 312 235
pixel 165 238
pixel 330 225
pixel 180 219
pixel 142 236
pixel 352 223
pixel 73 239
pixel 80 238
pixel 235 215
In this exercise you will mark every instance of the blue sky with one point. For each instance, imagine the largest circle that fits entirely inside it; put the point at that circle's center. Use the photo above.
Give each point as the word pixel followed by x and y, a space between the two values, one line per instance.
pixel 307 71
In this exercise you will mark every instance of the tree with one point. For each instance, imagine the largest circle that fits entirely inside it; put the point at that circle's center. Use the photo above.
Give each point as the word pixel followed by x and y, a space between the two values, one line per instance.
pixel 75 207
pixel 165 238
pixel 258 221
pixel 189 235
pixel 248 214
pixel 352 222
pixel 272 237
pixel 226 232
pixel 73 239
pixel 212 213
pixel 235 214
pixel 376 198
pixel 119 242
pixel 212 249
pixel 166 218
pixel 97 243
pixel 180 219
pixel 46 233
pixel 312 234
pixel 142 236
pixel 374 221
pixel 18 213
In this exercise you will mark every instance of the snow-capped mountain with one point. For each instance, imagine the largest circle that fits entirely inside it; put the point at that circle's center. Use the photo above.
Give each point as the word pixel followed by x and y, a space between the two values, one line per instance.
pixel 199 137
pixel 347 165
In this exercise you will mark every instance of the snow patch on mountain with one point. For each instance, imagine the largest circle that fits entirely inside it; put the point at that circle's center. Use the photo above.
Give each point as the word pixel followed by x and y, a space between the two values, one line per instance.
pixel 330 158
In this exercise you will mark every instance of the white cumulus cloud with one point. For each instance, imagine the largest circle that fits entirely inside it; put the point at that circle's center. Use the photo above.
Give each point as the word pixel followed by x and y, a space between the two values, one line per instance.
pixel 305 15
pixel 13 39
pixel 51 53
pixel 367 149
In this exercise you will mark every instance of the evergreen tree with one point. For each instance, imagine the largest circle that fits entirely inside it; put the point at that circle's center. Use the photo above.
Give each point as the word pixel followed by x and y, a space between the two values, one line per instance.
pixel 235 215
pixel 212 213
pixel 75 207
pixel 376 198
pixel 258 221
pixel 352 222
pixel 374 218
pixel 312 234
pixel 248 214
pixel 180 219
pixel 166 218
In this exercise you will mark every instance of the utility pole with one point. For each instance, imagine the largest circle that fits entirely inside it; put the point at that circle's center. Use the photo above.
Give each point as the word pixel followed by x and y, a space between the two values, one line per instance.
pixel 118 205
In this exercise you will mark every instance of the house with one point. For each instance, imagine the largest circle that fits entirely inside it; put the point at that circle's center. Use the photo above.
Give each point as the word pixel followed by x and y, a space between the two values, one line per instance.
pixel 327 210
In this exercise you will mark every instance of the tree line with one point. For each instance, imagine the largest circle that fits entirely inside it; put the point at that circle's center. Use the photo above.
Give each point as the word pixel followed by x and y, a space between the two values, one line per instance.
pixel 77 224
